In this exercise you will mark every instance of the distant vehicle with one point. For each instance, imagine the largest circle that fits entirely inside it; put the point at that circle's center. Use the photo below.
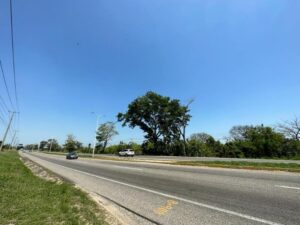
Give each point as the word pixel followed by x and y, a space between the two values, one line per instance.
pixel 20 147
pixel 72 155
pixel 126 152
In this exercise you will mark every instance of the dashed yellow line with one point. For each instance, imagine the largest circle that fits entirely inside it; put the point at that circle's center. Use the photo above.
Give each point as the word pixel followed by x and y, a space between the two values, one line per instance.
pixel 162 210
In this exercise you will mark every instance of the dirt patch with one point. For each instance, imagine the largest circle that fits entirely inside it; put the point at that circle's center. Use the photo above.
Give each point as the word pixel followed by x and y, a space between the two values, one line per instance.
pixel 40 171
pixel 113 212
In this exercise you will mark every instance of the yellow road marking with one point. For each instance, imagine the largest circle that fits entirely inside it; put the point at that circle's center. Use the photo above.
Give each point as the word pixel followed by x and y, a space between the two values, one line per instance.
pixel 162 210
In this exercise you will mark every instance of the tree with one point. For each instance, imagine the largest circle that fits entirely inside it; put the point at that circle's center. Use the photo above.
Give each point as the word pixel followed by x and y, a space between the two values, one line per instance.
pixel 162 119
pixel 105 133
pixel 291 148
pixel 32 146
pixel 237 133
pixel 43 145
pixel 201 137
pixel 71 144
pixel 290 129
pixel 53 145
pixel 260 141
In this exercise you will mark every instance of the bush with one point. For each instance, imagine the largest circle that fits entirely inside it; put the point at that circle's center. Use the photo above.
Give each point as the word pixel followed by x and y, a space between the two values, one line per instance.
pixel 114 149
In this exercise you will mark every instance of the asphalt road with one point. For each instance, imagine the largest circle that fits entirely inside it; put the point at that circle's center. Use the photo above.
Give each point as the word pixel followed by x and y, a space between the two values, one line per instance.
pixel 185 158
pixel 167 194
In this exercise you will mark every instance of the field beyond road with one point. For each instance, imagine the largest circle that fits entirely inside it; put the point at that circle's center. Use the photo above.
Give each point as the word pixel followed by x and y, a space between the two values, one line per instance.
pixel 27 199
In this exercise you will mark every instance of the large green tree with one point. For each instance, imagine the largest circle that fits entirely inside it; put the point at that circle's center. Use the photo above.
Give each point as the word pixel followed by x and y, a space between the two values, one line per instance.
pixel 71 144
pixel 260 141
pixel 43 145
pixel 162 119
pixel 53 145
pixel 237 133
pixel 105 133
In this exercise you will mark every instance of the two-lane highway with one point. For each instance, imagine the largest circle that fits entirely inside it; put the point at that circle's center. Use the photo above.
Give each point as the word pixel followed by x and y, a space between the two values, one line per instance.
pixel 167 194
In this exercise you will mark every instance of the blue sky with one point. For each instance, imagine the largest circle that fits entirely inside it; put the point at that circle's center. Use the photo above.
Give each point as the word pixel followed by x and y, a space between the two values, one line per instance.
pixel 239 60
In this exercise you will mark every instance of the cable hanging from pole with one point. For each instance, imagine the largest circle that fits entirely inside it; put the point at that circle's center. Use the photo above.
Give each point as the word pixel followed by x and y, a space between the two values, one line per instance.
pixel 3 105
pixel 13 53
pixel 5 83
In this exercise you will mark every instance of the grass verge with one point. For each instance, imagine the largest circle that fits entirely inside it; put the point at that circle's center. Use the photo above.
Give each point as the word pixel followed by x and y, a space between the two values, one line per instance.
pixel 27 199
pixel 289 167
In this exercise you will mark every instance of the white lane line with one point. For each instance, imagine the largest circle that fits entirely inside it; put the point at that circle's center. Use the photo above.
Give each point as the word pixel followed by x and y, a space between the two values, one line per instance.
pixel 128 168
pixel 288 187
pixel 245 216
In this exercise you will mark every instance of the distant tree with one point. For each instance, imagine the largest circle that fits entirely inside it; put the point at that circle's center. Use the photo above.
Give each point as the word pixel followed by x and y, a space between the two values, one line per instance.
pixel 237 133
pixel 43 145
pixel 201 137
pixel 291 148
pixel 162 119
pixel 53 145
pixel 71 144
pixel 32 146
pixel 260 141
pixel 291 129
pixel 105 133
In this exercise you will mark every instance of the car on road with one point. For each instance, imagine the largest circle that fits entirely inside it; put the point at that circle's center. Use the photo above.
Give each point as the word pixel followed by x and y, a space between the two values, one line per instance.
pixel 72 155
pixel 126 152
pixel 20 147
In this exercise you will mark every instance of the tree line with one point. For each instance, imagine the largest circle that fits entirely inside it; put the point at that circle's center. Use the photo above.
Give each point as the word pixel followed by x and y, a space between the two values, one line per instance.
pixel 164 121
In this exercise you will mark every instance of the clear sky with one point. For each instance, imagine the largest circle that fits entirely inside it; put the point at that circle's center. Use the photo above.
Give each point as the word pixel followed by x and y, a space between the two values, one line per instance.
pixel 239 60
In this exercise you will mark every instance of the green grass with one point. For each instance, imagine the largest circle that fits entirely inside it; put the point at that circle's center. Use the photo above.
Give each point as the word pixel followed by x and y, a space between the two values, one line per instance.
pixel 27 199
pixel 290 167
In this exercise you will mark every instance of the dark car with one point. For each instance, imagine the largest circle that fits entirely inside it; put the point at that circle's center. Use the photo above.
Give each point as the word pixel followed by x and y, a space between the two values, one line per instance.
pixel 20 147
pixel 72 155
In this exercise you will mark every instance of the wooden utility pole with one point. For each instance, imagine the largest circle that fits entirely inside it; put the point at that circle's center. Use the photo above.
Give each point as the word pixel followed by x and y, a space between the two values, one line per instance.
pixel 7 129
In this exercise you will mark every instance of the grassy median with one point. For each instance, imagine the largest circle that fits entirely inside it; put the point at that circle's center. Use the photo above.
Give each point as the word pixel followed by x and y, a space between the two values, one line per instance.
pixel 27 199
pixel 289 167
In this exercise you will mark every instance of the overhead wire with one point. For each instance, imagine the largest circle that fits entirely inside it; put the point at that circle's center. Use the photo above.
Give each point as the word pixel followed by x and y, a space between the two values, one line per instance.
pixel 2 113
pixel 13 53
pixel 5 111
pixel 3 108
pixel 6 87
pixel 13 64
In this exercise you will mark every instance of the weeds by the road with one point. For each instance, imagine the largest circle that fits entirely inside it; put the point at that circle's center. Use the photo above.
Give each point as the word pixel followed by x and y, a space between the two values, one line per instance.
pixel 289 167
pixel 27 199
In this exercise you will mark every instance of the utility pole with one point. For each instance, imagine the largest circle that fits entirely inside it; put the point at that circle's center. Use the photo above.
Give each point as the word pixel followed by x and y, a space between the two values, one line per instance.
pixel 7 129
pixel 184 126
pixel 95 141
pixel 51 144
pixel 97 123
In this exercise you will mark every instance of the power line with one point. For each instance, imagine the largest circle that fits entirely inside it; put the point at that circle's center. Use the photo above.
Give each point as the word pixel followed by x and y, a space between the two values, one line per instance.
pixel 4 79
pixel 3 114
pixel 13 60
pixel 13 53
pixel 3 105
pixel 3 110
pixel 3 121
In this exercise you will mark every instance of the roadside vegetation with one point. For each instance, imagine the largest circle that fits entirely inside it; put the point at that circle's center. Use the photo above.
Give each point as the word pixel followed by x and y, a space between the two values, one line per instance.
pixel 288 167
pixel 27 199
pixel 164 121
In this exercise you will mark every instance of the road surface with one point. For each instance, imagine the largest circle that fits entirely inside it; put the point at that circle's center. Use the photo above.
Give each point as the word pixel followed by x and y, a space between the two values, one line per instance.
pixel 186 158
pixel 168 194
